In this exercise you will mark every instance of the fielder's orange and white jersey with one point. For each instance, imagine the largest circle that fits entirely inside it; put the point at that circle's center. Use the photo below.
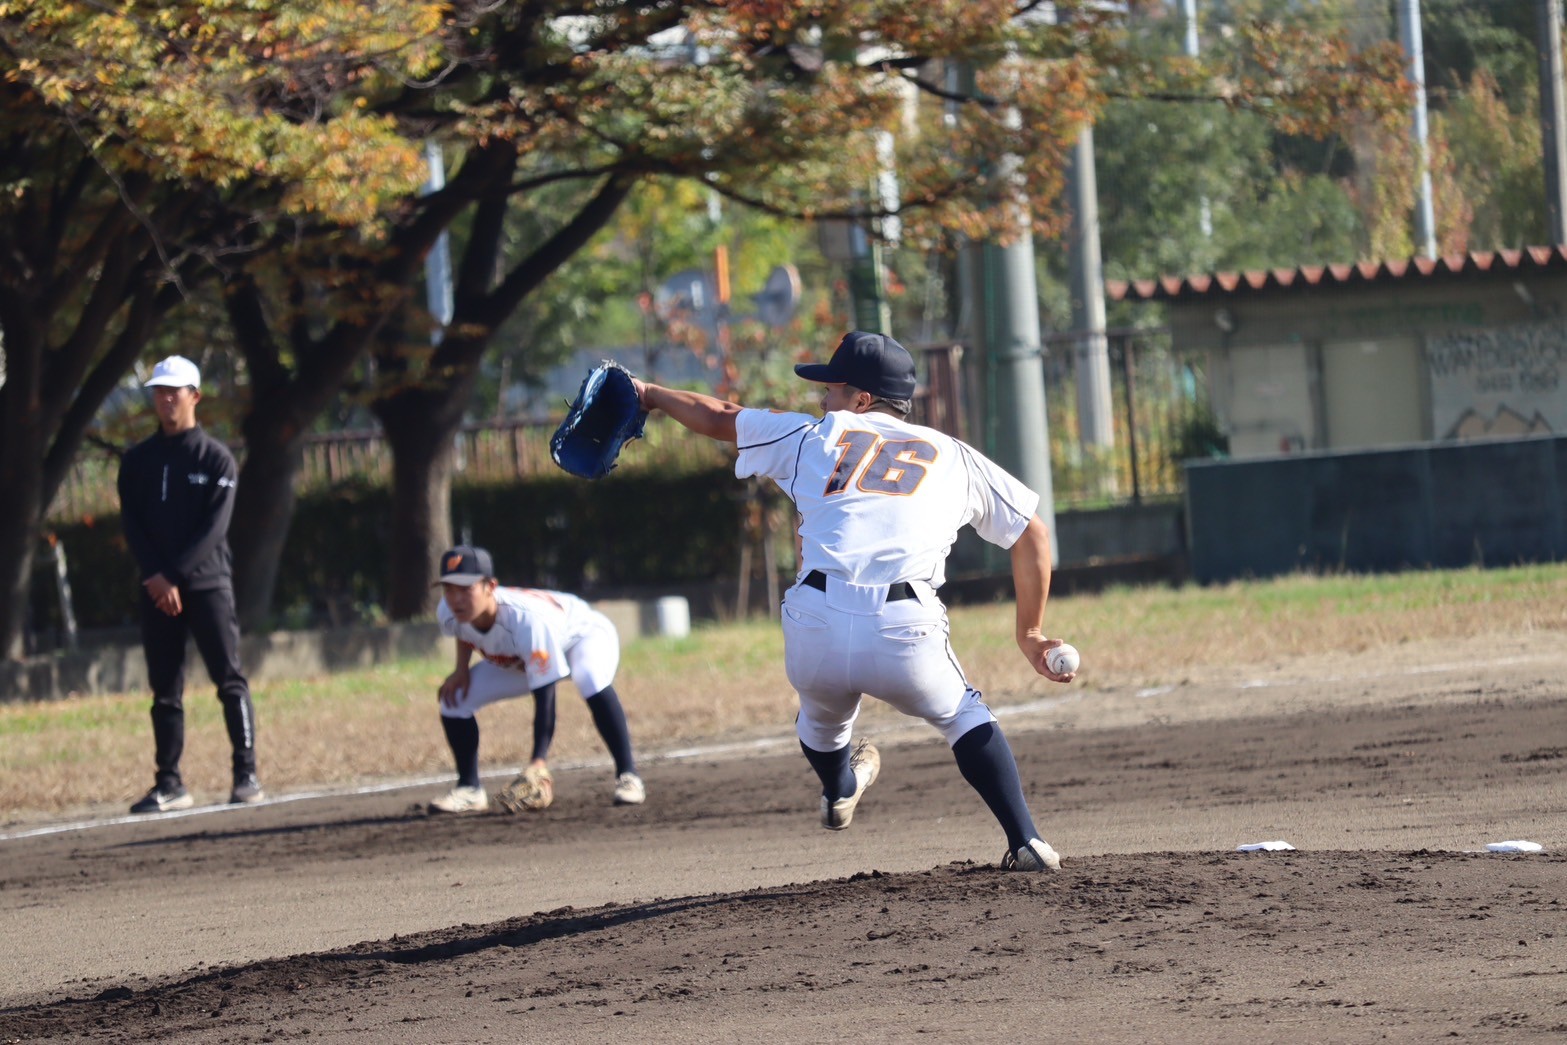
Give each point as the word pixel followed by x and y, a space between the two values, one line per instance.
pixel 880 500
pixel 534 631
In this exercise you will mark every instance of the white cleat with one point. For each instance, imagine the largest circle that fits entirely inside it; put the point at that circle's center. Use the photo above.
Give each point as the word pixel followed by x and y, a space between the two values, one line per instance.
pixel 461 800
pixel 1035 856
pixel 866 766
pixel 629 790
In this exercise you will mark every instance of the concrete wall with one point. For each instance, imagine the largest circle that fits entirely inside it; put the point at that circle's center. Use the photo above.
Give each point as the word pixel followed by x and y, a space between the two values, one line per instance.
pixel 1495 502
pixel 1128 531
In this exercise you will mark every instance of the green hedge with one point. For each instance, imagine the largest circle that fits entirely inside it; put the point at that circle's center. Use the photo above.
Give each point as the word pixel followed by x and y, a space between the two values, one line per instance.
pixel 558 532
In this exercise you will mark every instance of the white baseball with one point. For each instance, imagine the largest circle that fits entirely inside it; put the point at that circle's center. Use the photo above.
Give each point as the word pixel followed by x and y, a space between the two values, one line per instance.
pixel 1063 659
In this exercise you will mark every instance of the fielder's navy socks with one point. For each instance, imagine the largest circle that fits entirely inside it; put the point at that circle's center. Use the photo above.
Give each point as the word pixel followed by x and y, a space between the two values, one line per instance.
pixel 610 718
pixel 462 734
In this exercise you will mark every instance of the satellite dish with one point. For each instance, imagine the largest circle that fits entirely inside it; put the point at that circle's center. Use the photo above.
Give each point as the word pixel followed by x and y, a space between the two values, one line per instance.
pixel 780 296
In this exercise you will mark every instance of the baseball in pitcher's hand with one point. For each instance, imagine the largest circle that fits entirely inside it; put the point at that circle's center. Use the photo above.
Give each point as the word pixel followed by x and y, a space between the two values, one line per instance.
pixel 1035 646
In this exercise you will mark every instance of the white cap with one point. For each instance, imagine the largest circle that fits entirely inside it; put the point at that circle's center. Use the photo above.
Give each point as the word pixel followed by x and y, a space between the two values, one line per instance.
pixel 176 371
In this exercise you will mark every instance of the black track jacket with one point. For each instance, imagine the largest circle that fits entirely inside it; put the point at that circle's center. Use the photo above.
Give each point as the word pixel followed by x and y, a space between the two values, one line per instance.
pixel 176 499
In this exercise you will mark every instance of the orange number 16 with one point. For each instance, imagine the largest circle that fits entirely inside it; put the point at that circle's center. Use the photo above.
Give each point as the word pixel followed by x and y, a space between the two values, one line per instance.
pixel 894 469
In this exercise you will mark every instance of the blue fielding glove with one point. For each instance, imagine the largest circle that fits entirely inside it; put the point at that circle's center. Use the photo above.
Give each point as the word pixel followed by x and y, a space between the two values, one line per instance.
pixel 605 417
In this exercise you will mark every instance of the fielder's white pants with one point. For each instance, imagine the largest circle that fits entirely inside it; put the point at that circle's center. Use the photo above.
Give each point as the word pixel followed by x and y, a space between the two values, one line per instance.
pixel 592 660
pixel 901 655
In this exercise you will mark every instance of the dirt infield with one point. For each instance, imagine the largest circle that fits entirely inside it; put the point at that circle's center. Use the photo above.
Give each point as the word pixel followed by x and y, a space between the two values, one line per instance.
pixel 720 911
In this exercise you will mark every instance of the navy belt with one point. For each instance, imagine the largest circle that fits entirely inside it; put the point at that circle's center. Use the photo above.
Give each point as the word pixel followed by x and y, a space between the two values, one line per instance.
pixel 901 590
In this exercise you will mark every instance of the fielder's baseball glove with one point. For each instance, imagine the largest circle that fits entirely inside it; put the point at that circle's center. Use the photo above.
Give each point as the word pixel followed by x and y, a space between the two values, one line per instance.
pixel 532 791
pixel 606 416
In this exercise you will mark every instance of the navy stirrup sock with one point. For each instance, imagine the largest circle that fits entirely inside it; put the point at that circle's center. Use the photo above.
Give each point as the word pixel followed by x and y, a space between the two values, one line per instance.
pixel 986 762
pixel 833 767
pixel 610 718
pixel 462 734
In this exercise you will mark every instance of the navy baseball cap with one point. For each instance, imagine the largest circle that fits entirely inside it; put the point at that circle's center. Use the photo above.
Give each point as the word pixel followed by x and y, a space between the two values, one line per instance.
pixel 466 565
pixel 873 363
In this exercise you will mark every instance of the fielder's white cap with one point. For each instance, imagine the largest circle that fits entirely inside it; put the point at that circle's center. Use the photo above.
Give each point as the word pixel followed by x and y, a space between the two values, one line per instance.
pixel 175 371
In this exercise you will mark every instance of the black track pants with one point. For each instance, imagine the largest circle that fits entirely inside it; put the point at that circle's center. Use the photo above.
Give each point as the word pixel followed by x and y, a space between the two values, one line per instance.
pixel 209 617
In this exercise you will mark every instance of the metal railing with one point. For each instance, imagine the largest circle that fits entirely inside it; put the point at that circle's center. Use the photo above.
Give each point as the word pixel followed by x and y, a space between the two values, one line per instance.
pixel 1160 417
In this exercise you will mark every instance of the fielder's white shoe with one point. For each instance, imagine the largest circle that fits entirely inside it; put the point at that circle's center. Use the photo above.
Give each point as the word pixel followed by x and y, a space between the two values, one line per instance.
pixel 629 790
pixel 865 763
pixel 1035 856
pixel 461 800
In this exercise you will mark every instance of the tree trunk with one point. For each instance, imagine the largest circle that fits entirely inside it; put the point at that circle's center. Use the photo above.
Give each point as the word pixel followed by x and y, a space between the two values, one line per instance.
pixel 20 526
pixel 50 390
pixel 263 510
pixel 420 424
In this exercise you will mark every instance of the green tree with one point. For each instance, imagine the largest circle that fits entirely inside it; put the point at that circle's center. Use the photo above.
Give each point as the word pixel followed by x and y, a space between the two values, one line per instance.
pixel 1497 159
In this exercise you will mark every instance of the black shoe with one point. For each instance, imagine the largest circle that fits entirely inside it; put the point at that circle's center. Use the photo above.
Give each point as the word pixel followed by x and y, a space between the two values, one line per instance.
pixel 161 800
pixel 247 790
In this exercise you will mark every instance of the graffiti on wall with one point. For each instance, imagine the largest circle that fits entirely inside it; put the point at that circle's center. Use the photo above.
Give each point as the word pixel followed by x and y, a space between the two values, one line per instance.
pixel 1505 381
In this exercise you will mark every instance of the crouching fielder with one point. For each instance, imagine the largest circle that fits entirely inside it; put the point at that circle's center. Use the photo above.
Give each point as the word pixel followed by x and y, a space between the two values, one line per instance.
pixel 528 640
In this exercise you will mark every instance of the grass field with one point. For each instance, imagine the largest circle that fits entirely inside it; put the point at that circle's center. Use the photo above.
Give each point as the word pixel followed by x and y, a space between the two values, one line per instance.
pixel 93 754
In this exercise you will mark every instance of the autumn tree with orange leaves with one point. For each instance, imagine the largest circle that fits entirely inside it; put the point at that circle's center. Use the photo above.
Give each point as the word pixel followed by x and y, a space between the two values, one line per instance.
pixel 271 146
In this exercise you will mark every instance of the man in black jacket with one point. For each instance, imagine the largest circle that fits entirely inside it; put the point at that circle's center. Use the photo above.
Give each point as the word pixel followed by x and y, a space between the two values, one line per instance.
pixel 176 498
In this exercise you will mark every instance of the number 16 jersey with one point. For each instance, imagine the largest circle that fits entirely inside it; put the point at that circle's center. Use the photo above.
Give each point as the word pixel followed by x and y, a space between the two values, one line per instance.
pixel 880 500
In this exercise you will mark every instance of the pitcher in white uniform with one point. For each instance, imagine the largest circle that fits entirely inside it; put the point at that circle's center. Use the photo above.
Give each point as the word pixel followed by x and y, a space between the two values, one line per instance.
pixel 529 639
pixel 880 504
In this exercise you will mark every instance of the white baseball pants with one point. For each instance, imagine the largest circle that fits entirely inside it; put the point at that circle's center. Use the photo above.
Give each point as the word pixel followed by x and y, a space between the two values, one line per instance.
pixel 593 662
pixel 836 649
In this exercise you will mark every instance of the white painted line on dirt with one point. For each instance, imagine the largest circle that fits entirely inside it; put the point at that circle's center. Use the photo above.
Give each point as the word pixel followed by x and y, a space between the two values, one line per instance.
pixel 1430 669
pixel 271 800
pixel 708 751
pixel 701 751
pixel 82 825
pixel 1043 704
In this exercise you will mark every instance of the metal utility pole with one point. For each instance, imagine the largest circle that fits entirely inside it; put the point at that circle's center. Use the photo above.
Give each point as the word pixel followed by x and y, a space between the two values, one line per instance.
pixel 866 279
pixel 1095 422
pixel 1003 311
pixel 1414 49
pixel 1553 137
pixel 438 266
pixel 1191 46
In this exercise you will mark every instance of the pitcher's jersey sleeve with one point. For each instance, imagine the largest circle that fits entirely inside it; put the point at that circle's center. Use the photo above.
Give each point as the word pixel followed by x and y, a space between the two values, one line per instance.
pixel 769 443
pixel 1000 505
